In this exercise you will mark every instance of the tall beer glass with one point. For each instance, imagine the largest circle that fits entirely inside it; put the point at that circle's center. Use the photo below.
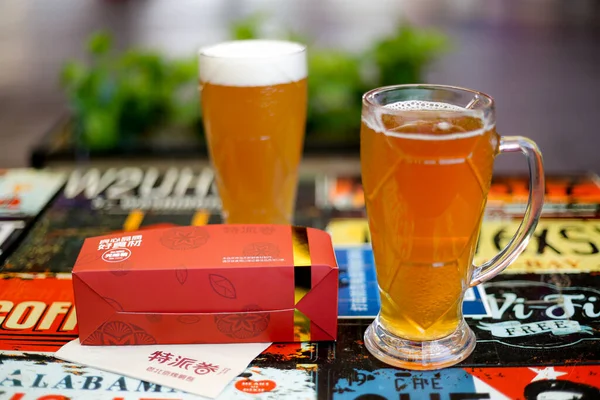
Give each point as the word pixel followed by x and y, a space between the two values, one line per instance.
pixel 254 100
pixel 427 154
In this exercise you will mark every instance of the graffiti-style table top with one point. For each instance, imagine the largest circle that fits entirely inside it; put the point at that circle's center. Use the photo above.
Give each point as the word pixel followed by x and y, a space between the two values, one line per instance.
pixel 537 324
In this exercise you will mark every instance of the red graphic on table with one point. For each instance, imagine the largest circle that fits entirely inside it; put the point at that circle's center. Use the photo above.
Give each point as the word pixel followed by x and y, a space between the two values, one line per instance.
pixel 513 381
pixel 255 387
pixel 36 314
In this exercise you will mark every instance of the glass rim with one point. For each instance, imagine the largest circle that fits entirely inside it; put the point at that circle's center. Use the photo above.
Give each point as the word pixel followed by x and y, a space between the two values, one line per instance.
pixel 368 96
pixel 485 112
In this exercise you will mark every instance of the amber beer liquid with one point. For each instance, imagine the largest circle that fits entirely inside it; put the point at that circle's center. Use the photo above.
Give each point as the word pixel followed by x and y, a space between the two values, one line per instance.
pixel 254 99
pixel 425 190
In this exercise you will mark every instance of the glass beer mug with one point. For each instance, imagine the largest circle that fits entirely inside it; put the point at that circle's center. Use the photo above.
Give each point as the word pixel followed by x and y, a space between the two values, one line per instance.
pixel 427 154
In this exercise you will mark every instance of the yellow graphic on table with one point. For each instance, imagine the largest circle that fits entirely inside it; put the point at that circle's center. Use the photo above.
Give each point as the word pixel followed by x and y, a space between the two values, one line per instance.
pixel 133 221
pixel 349 231
pixel 558 245
pixel 200 218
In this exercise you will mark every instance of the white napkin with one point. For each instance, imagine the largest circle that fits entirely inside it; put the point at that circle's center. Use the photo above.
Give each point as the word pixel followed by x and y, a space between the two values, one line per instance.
pixel 202 369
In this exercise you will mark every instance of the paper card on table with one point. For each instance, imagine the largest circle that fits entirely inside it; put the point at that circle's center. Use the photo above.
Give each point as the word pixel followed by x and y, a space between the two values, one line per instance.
pixel 202 369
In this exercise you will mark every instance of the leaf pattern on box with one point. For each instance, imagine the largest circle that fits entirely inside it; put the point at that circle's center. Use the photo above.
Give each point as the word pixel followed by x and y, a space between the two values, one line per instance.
pixel 188 319
pixel 184 238
pixel 95 339
pixel 120 269
pixel 222 286
pixel 117 329
pixel 261 249
pixel 119 333
pixel 182 274
pixel 244 325
pixel 154 318
pixel 113 303
pixel 142 338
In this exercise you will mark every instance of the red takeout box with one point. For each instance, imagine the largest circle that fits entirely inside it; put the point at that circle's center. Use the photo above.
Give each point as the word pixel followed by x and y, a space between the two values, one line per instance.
pixel 209 284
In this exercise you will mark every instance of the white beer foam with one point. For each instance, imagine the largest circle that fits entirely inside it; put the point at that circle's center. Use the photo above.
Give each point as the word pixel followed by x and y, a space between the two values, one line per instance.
pixel 375 123
pixel 420 105
pixel 252 63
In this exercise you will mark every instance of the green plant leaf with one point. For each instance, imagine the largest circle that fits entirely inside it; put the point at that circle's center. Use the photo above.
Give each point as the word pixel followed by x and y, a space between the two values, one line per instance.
pixel 402 57
pixel 100 129
pixel 247 28
pixel 99 43
pixel 72 74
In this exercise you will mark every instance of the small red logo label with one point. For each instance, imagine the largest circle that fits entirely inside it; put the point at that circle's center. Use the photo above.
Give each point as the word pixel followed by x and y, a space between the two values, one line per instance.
pixel 116 255
pixel 255 387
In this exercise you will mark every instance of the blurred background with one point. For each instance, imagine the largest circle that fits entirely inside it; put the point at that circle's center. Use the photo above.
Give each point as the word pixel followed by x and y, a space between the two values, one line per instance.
pixel 89 79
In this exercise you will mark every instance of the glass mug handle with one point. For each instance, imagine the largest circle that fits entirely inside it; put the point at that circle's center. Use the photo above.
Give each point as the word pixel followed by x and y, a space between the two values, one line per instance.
pixel 512 144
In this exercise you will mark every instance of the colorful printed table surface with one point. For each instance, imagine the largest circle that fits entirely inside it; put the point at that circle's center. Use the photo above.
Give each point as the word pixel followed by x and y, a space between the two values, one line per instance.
pixel 537 324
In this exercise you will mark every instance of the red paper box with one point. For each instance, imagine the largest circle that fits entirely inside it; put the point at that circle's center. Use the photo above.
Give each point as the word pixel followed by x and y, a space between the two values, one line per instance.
pixel 209 284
